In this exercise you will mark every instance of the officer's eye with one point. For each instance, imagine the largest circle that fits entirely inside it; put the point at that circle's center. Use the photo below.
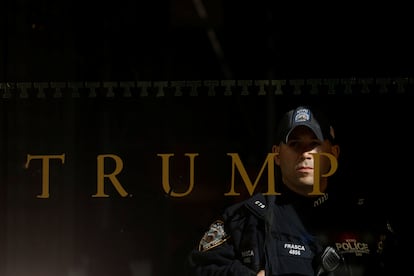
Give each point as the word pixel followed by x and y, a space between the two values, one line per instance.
pixel 315 144
pixel 292 143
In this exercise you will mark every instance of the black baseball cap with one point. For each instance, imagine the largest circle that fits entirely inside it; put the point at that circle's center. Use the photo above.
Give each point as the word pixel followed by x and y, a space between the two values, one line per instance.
pixel 305 116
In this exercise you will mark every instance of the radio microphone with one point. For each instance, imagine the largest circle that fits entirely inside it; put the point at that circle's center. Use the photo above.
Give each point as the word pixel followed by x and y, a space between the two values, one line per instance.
pixel 329 261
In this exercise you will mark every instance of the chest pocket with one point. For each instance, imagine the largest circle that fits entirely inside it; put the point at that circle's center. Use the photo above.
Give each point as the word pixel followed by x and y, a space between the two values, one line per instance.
pixel 290 249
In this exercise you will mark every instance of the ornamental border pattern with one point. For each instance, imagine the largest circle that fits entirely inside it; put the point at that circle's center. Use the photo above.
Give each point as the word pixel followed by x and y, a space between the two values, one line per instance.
pixel 209 88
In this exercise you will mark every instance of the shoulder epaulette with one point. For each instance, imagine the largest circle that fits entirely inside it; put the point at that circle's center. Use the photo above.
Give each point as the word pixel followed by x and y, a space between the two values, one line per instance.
pixel 257 204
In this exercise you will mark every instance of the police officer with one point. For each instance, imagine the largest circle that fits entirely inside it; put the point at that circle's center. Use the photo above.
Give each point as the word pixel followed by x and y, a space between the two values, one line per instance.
pixel 303 229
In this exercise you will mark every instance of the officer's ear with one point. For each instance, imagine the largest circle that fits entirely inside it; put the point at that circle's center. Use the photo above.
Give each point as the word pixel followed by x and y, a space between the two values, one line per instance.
pixel 335 150
pixel 276 151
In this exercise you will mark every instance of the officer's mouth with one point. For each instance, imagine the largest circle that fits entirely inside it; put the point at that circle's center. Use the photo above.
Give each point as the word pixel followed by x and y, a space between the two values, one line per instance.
pixel 305 169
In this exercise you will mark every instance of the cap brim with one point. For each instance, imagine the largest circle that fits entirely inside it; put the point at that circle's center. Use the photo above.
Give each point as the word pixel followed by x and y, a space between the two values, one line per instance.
pixel 312 127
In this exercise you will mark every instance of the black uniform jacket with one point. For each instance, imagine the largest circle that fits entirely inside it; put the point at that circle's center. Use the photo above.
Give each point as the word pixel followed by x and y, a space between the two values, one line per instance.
pixel 292 235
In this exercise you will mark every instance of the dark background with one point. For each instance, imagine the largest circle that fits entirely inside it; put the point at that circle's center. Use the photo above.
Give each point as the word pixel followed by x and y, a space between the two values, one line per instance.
pixel 49 41
pixel 168 40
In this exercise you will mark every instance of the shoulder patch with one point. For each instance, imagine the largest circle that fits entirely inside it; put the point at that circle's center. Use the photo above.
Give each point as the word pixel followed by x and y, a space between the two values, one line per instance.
pixel 213 237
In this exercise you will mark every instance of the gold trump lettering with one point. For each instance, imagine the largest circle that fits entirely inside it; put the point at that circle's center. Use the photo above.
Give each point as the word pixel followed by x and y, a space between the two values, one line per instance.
pixel 237 165
pixel 317 167
pixel 166 172
pixel 112 176
pixel 45 170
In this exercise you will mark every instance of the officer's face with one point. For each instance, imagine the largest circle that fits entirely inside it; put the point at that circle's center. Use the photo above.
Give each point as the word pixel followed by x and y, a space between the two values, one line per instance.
pixel 296 160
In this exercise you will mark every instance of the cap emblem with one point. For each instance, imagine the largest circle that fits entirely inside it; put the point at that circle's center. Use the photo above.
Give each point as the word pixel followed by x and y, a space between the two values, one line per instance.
pixel 302 115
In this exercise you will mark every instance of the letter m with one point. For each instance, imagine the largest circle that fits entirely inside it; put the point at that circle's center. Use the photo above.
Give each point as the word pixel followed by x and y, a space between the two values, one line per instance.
pixel 237 164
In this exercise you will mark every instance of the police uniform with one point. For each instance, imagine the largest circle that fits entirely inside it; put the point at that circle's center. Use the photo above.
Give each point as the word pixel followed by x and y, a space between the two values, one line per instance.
pixel 294 235
pixel 289 234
